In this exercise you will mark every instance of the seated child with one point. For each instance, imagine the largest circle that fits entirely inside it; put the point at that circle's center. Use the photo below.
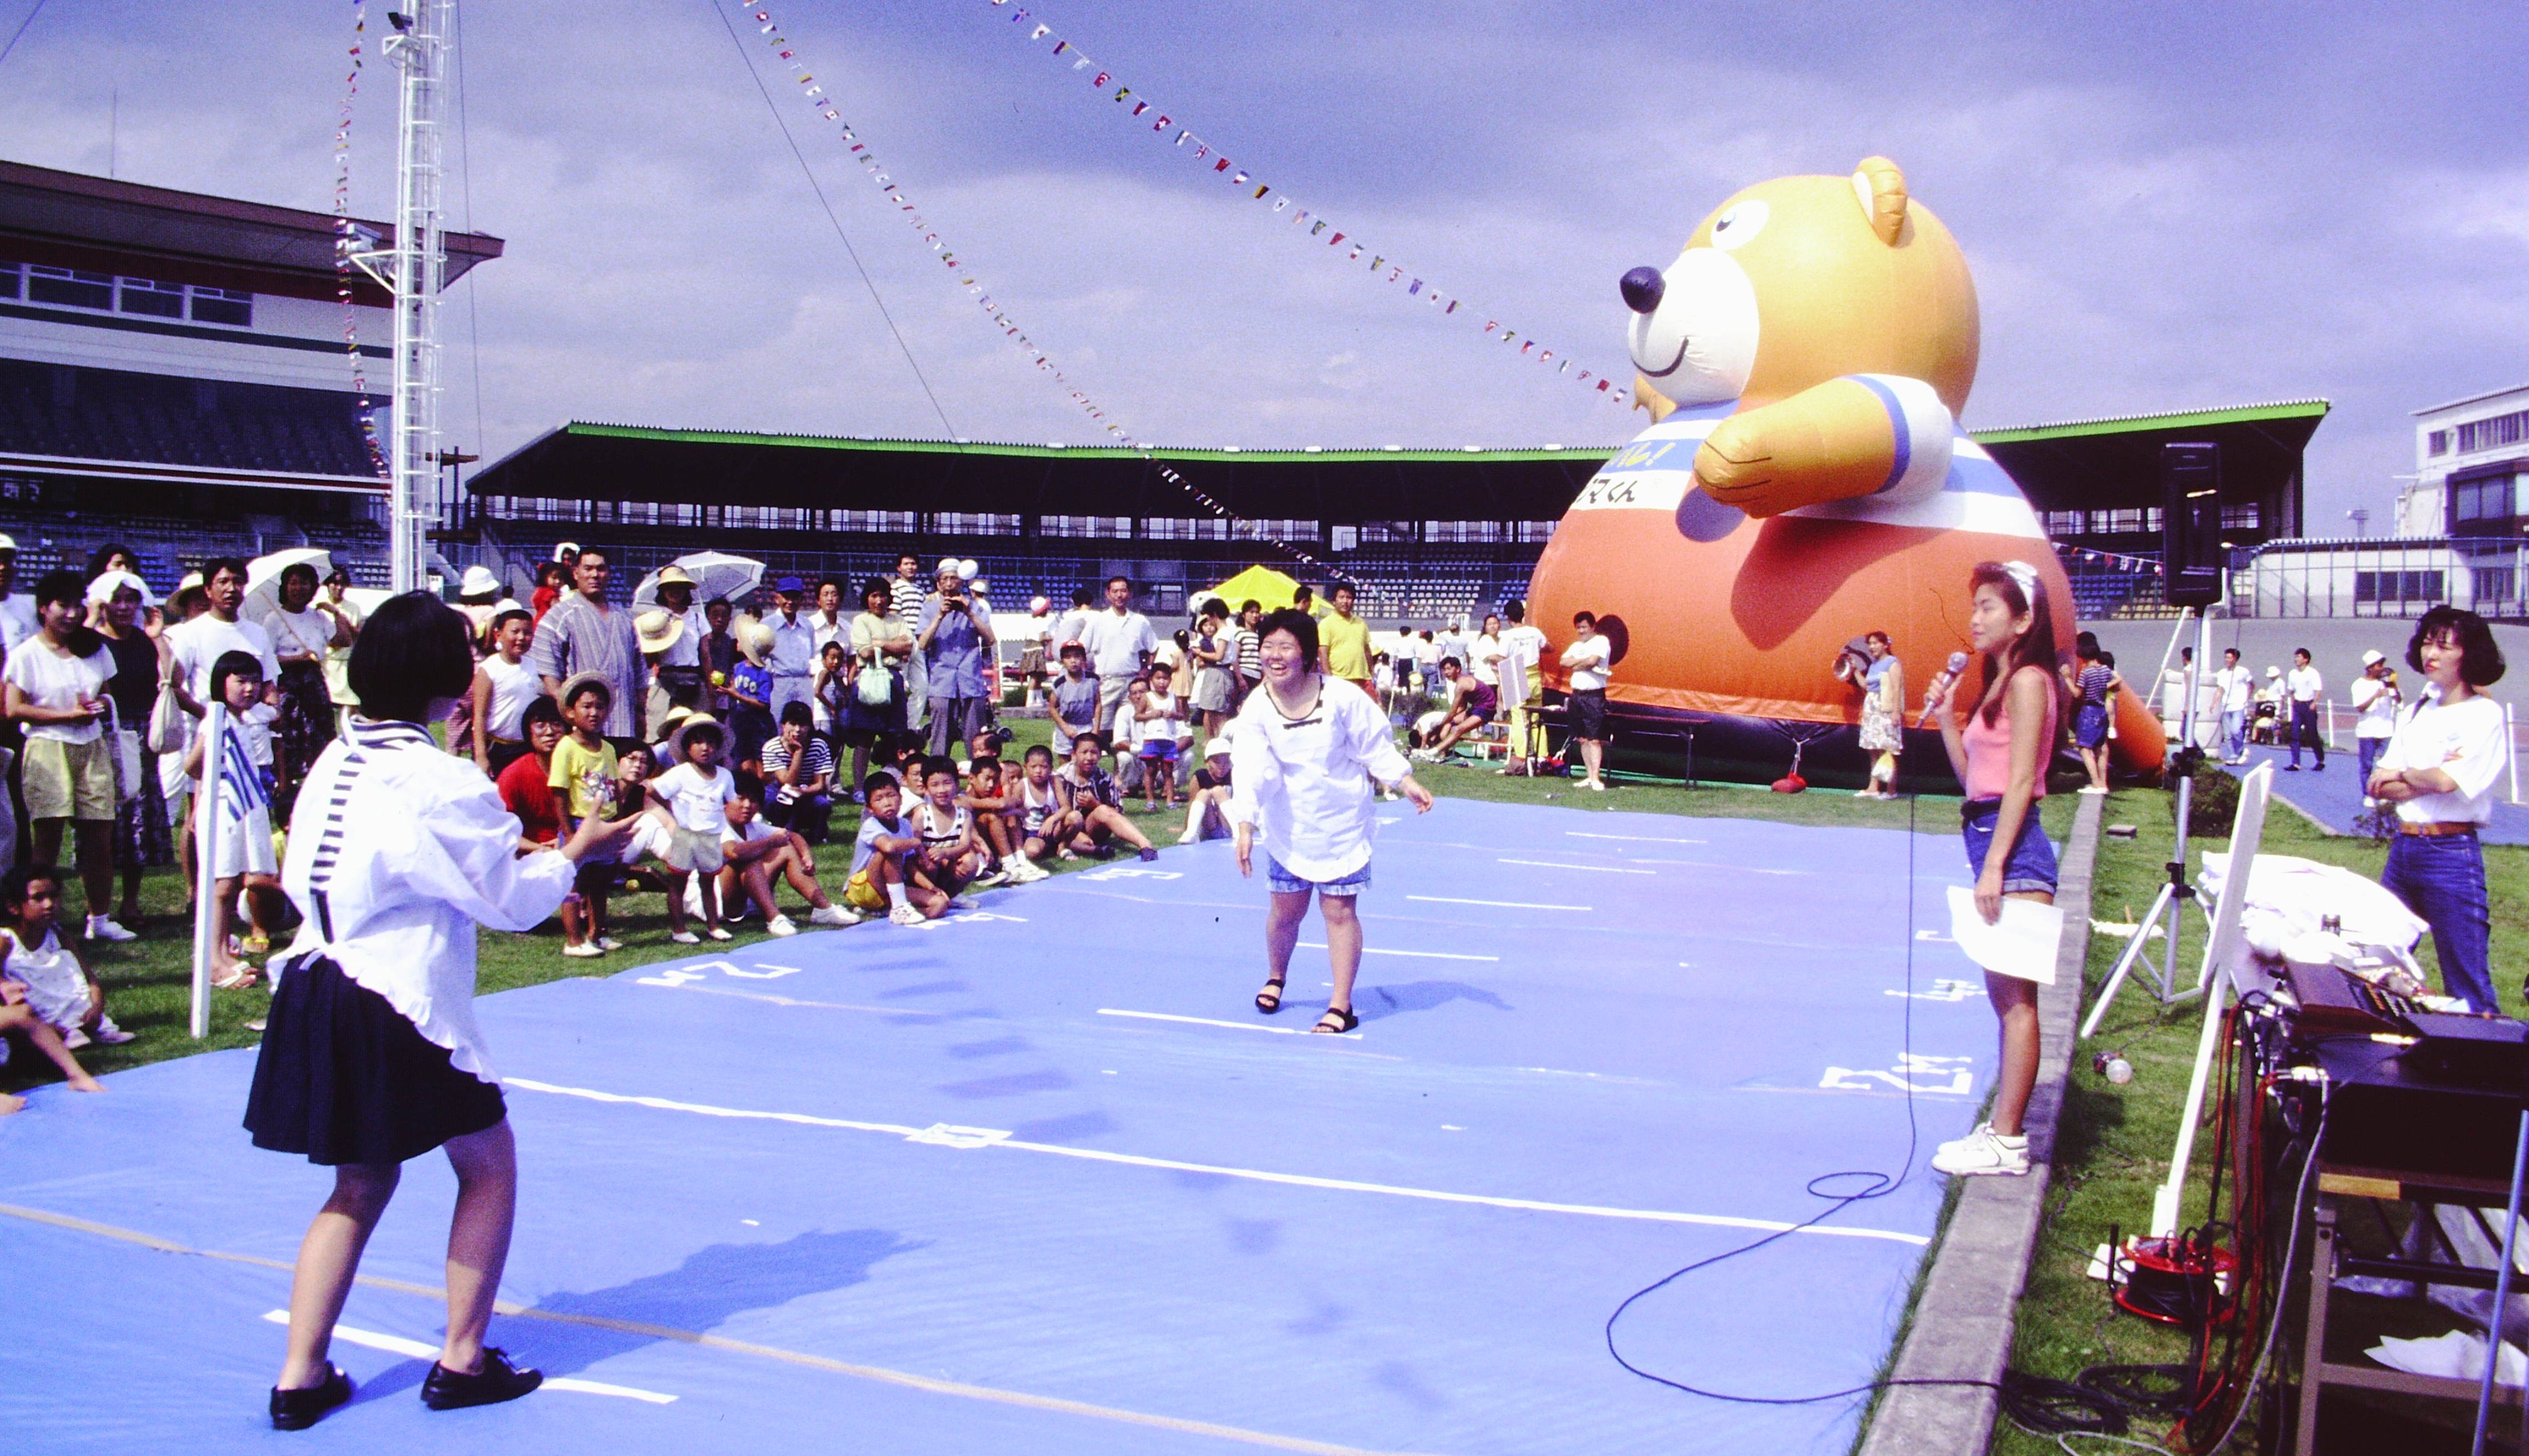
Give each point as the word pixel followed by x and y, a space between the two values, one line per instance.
pixel 688 803
pixel 992 797
pixel 1208 807
pixel 755 851
pixel 1097 806
pixel 882 879
pixel 1045 822
pixel 57 984
pixel 246 855
pixel 952 856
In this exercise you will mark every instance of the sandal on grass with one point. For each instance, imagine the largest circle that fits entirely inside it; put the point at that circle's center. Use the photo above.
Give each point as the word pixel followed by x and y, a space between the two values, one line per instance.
pixel 1338 1020
pixel 1270 999
pixel 241 979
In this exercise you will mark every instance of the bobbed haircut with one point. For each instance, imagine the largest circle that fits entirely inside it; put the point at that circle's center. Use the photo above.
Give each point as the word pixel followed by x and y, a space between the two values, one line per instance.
pixel 63 586
pixel 15 884
pixel 798 712
pixel 2480 661
pixel 876 587
pixel 542 709
pixel 412 650
pixel 230 665
pixel 1300 624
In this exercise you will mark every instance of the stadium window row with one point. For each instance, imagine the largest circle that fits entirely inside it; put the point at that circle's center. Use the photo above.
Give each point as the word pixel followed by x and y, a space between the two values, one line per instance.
pixel 2486 434
pixel 107 294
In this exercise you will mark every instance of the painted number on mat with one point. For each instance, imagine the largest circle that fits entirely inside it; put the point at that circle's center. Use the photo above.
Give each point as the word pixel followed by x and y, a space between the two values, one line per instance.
pixel 1942 991
pixel 687 975
pixel 1937 1076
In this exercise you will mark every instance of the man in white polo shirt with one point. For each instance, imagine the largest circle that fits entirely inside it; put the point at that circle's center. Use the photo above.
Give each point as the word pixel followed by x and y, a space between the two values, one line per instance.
pixel 2301 687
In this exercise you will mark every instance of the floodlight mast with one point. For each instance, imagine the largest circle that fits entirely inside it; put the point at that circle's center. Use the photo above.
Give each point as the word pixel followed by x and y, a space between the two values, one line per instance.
pixel 415 267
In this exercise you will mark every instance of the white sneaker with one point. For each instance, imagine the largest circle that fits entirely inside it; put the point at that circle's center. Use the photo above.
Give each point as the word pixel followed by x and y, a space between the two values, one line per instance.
pixel 111 1034
pixel 1983 1153
pixel 905 915
pixel 990 877
pixel 685 938
pixel 720 933
pixel 779 925
pixel 583 949
pixel 1031 872
pixel 74 1039
pixel 104 927
pixel 606 942
pixel 832 915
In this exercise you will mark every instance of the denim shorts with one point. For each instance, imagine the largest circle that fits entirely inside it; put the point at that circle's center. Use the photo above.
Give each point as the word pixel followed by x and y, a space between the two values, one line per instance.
pixel 1286 883
pixel 2090 725
pixel 2031 870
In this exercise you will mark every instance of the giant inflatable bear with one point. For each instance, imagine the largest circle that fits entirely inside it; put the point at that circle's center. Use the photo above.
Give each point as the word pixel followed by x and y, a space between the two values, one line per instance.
pixel 1804 481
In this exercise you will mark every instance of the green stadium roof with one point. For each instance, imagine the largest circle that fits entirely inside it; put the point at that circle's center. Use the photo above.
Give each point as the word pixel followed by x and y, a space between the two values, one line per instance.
pixel 2312 410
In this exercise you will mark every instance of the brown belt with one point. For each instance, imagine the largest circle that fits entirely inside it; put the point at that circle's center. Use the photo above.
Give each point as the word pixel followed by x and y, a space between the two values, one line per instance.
pixel 2434 831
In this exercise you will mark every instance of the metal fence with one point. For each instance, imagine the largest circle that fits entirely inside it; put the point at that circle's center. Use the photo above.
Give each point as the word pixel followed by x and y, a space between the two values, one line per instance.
pixel 2348 577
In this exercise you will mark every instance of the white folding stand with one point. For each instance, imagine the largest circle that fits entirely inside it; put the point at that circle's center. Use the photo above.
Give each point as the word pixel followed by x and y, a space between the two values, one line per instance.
pixel 2173 895
pixel 214 728
pixel 2246 828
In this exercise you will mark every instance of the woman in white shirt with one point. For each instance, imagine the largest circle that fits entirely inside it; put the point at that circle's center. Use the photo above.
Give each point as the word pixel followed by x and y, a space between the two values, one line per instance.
pixel 2375 696
pixel 1305 753
pixel 2439 771
pixel 396 854
pixel 55 684
pixel 302 629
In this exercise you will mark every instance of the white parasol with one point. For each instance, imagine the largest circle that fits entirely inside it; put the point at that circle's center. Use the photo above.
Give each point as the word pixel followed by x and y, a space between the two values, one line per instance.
pixel 263 578
pixel 716 573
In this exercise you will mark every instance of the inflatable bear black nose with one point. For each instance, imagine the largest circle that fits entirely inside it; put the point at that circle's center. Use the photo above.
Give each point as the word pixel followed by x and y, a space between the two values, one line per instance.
pixel 1641 289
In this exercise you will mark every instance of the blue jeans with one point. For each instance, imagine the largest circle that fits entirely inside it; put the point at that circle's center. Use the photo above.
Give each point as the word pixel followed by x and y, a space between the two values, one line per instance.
pixel 2367 752
pixel 2441 878
pixel 2304 728
pixel 2235 732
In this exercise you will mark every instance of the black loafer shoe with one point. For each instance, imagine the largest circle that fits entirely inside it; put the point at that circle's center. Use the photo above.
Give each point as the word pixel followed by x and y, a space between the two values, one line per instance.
pixel 497 1380
pixel 297 1410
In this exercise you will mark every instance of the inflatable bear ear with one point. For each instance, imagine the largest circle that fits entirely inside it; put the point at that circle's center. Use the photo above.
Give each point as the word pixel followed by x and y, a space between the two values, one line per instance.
pixel 1881 187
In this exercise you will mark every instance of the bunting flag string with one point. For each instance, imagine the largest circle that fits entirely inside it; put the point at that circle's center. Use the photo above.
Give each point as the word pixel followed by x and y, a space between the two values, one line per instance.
pixel 345 240
pixel 820 100
pixel 2118 560
pixel 1137 107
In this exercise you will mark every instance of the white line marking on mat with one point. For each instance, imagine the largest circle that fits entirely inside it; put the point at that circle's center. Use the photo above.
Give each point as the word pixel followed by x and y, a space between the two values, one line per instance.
pixel 876 1374
pixel 1280 1031
pixel 395 1344
pixel 1451 900
pixel 1259 1175
pixel 1706 864
pixel 1583 834
pixel 1547 864
pixel 786 1000
pixel 1417 955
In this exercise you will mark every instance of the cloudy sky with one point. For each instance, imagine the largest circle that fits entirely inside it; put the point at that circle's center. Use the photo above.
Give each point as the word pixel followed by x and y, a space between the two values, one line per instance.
pixel 2166 206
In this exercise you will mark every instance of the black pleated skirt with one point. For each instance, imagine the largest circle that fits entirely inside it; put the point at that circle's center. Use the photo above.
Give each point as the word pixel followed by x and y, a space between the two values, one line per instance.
pixel 343 1078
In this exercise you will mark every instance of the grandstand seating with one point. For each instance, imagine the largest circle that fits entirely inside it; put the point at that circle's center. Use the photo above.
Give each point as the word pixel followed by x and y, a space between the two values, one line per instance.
pixel 85 413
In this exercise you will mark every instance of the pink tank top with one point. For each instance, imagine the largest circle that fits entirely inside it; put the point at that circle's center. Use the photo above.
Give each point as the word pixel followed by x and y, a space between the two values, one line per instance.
pixel 1989 750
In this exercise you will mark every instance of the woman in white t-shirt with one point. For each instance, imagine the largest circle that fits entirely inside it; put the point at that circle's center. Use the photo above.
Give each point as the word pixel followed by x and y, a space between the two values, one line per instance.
pixel 1485 653
pixel 2376 697
pixel 303 630
pixel 2440 770
pixel 55 684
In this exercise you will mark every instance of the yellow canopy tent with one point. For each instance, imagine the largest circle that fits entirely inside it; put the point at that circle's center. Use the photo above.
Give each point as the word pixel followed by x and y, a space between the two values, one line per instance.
pixel 1262 585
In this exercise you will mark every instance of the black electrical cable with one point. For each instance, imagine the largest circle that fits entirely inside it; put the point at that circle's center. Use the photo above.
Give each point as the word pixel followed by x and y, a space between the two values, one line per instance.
pixel 2035 1403
pixel 746 59
pixel 16 36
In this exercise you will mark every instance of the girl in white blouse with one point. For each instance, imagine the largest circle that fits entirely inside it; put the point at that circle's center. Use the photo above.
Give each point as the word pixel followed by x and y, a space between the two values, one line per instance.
pixel 1304 754
pixel 396 853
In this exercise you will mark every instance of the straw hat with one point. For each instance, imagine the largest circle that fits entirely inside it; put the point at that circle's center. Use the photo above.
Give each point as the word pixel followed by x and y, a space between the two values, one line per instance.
pixel 672 574
pixel 478 581
pixel 693 720
pixel 576 681
pixel 754 638
pixel 659 630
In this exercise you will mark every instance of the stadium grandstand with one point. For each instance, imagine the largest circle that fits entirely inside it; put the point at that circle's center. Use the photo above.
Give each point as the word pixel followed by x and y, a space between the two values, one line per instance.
pixel 1424 535
pixel 174 376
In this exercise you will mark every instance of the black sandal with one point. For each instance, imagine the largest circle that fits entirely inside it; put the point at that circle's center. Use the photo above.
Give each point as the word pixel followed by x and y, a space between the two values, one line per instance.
pixel 1270 999
pixel 1338 1020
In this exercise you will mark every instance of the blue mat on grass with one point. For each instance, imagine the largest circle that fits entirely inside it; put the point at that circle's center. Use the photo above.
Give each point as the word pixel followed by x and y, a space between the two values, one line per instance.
pixel 1036 1179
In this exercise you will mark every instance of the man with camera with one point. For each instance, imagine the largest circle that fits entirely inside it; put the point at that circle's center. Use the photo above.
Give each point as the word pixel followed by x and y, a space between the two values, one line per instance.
pixel 954 637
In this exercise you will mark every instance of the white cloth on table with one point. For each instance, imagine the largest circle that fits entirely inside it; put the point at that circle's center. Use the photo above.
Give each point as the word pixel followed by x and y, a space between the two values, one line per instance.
pixel 396 853
pixel 2290 896
pixel 1307 783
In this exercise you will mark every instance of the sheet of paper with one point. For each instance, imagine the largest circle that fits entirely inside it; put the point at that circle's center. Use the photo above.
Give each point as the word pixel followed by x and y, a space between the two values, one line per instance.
pixel 2020 945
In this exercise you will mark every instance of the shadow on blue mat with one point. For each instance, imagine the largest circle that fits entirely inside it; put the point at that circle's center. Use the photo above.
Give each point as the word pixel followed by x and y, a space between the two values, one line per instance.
pixel 1388 1000
pixel 708 1289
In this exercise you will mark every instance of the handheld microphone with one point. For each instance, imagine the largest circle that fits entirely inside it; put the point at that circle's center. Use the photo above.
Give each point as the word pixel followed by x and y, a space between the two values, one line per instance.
pixel 1940 687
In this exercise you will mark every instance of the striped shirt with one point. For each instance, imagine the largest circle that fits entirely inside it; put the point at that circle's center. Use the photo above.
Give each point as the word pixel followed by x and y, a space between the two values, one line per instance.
pixel 904 599
pixel 1250 661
